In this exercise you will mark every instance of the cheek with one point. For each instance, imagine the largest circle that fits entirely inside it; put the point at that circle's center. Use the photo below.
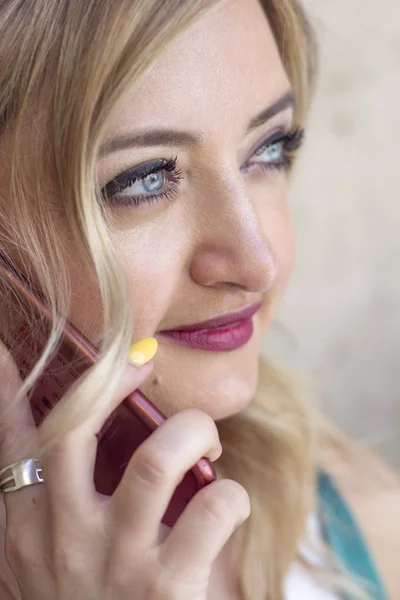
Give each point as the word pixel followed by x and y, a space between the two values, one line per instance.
pixel 152 267
pixel 85 310
pixel 153 262
pixel 277 226
pixel 286 245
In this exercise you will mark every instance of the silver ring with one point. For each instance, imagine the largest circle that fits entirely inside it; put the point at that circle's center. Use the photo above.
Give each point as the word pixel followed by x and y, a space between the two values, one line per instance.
pixel 20 474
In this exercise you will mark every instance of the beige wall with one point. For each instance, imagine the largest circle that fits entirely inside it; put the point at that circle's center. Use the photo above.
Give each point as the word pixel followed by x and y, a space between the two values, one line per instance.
pixel 342 312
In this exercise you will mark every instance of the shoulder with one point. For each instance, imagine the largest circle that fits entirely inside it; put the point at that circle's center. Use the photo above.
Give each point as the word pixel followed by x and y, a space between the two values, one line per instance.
pixel 372 490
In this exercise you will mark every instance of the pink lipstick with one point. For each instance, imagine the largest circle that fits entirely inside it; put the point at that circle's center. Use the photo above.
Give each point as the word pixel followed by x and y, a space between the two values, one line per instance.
pixel 220 334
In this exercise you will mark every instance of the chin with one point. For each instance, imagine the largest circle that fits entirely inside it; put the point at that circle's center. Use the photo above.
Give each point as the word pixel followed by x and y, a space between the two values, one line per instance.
pixel 221 384
pixel 219 389
pixel 230 395
pixel 231 404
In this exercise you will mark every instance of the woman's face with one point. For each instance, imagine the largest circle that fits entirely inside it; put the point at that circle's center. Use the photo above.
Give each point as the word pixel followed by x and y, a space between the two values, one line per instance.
pixel 210 235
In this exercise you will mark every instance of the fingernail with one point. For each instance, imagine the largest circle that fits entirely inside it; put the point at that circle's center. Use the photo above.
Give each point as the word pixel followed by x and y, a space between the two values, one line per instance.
pixel 142 351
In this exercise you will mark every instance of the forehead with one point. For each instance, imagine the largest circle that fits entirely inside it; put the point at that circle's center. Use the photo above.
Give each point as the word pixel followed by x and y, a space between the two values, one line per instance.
pixel 225 67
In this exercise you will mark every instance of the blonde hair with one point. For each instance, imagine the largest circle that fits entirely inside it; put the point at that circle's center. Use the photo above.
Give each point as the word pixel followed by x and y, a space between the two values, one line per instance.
pixel 64 65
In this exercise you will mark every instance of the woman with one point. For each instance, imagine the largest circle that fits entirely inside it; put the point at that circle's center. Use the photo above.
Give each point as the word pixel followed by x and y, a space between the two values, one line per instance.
pixel 145 152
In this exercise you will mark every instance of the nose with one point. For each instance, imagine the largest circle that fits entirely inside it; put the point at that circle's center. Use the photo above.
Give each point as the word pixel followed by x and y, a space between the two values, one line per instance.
pixel 232 247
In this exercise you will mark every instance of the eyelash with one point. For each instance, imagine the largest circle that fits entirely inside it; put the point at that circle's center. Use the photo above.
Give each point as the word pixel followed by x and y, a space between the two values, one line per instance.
pixel 124 181
pixel 291 142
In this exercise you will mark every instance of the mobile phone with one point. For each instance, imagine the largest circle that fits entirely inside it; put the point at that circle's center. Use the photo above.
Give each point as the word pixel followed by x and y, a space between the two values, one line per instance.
pixel 128 426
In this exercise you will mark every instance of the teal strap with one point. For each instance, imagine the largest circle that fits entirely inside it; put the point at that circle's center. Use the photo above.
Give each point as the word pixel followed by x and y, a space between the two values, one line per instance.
pixel 342 534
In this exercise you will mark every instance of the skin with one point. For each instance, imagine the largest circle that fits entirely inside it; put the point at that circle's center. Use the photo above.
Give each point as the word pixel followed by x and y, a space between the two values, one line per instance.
pixel 224 242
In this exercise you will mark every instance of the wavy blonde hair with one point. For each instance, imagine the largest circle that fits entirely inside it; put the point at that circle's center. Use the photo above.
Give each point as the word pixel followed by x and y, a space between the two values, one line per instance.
pixel 64 66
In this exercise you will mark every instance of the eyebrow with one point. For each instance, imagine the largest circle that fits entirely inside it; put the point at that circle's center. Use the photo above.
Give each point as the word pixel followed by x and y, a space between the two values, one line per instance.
pixel 173 137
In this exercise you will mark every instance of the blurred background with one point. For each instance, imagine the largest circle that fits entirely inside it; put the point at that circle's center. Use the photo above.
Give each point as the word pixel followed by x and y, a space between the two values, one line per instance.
pixel 340 321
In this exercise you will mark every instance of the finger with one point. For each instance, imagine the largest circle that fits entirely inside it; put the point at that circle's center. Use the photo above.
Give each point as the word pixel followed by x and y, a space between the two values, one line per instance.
pixel 8 584
pixel 205 526
pixel 155 470
pixel 70 465
pixel 18 433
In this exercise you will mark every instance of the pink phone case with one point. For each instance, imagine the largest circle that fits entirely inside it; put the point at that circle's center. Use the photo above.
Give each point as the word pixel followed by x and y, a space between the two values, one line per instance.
pixel 128 426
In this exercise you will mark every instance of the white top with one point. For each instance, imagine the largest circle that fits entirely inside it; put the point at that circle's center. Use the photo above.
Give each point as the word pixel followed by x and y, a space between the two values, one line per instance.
pixel 300 584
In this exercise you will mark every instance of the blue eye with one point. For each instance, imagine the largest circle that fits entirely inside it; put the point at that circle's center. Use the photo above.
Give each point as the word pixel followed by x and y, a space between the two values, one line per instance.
pixel 272 152
pixel 150 184
pixel 153 182
pixel 279 150
pixel 159 179
pixel 146 183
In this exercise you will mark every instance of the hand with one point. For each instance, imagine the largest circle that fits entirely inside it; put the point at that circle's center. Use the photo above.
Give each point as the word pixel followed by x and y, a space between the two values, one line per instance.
pixel 64 541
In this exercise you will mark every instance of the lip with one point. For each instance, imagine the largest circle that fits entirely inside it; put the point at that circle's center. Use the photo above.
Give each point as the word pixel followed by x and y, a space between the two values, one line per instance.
pixel 223 333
